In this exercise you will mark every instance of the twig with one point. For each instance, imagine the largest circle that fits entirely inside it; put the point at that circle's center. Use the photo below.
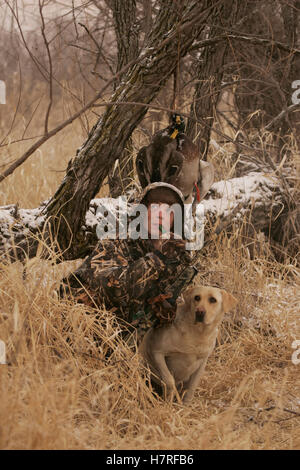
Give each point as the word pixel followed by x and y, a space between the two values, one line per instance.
pixel 17 107
pixel 287 410
pixel 23 139
pixel 98 47
pixel 74 19
pixel 30 119
pixel 246 38
pixel 281 115
pixel 41 5
pixel 83 48
pixel 37 63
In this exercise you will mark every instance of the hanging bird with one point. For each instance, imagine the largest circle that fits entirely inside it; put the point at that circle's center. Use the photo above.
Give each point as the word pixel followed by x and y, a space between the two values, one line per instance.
pixel 173 158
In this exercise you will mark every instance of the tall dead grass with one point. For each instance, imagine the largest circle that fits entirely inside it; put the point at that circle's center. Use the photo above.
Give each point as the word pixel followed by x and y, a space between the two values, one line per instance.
pixel 60 391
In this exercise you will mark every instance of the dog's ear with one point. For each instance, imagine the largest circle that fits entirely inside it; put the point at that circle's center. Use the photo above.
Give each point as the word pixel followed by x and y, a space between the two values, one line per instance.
pixel 229 301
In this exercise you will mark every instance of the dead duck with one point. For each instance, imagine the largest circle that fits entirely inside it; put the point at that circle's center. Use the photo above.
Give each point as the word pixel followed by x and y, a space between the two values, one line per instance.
pixel 173 158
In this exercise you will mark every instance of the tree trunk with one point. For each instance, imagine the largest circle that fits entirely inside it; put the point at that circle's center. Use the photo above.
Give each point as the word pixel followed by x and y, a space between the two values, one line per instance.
pixel 209 74
pixel 124 14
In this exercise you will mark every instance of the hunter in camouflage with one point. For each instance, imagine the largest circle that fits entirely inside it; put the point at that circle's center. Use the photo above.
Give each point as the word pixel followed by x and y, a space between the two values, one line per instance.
pixel 139 279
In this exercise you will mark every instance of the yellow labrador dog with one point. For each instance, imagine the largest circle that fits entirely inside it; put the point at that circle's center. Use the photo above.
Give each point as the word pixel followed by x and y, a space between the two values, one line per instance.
pixel 177 353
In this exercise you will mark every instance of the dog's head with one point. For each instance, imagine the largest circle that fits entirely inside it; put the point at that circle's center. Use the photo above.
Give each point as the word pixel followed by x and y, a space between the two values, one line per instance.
pixel 207 305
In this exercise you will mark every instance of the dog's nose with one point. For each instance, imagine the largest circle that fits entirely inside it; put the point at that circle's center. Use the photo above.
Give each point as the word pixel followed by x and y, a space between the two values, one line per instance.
pixel 200 314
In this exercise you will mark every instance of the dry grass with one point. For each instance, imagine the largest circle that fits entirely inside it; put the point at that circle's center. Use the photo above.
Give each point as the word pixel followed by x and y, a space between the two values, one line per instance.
pixel 58 394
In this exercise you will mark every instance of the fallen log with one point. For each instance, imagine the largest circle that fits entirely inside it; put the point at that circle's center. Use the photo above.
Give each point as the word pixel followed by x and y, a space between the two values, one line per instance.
pixel 256 198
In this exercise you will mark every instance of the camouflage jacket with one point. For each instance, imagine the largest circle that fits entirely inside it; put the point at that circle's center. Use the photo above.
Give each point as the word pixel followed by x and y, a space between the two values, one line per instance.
pixel 134 280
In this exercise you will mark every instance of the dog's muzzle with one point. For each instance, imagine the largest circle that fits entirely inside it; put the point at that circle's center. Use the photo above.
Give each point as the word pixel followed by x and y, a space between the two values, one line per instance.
pixel 200 314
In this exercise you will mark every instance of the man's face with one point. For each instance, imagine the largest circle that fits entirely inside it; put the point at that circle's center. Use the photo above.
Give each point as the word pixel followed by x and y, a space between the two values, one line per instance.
pixel 160 217
pixel 160 220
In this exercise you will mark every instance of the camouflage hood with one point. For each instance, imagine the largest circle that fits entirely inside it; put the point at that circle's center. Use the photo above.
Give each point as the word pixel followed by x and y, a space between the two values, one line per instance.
pixel 160 185
pixel 141 198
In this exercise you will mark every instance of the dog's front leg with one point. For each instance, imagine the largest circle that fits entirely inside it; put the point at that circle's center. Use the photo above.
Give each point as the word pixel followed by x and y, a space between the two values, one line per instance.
pixel 192 384
pixel 166 377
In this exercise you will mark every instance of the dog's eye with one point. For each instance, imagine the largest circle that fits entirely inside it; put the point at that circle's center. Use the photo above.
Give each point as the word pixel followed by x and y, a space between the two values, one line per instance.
pixel 212 300
pixel 197 298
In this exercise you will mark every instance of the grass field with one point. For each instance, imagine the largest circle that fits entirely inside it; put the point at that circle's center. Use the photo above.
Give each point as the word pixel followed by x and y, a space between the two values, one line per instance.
pixel 57 396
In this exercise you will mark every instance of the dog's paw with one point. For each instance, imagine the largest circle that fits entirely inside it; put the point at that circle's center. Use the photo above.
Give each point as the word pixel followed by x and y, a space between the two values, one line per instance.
pixel 187 397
